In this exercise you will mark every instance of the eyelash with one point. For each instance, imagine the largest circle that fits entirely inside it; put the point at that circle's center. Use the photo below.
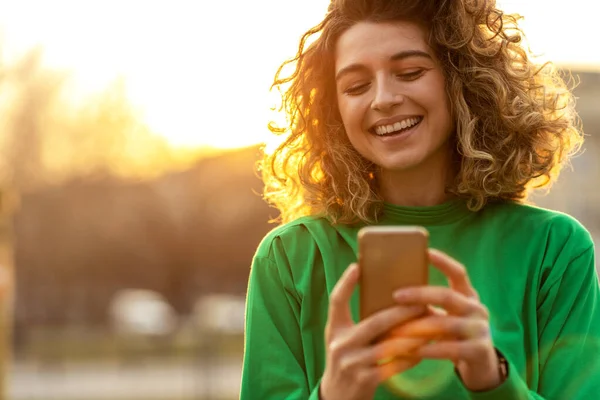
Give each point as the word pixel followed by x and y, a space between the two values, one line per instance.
pixel 411 76
pixel 355 90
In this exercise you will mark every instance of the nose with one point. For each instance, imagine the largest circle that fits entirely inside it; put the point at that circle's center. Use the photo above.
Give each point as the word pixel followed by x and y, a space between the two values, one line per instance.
pixel 386 96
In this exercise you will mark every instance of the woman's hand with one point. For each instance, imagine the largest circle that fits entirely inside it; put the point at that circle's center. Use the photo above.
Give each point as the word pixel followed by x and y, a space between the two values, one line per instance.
pixel 460 329
pixel 355 364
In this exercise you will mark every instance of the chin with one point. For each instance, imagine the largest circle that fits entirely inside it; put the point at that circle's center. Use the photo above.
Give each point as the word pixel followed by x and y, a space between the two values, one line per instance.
pixel 399 164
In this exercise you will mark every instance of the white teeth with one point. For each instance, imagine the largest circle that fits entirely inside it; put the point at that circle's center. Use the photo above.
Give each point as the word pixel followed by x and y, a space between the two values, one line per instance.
pixel 384 129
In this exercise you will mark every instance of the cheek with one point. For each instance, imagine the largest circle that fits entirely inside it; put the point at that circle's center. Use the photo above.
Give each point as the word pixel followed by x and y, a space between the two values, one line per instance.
pixel 445 123
pixel 442 107
pixel 433 93
pixel 436 102
pixel 350 113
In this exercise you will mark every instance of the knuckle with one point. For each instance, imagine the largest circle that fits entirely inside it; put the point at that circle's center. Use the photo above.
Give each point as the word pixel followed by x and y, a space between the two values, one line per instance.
pixel 484 311
pixel 483 329
pixel 345 365
pixel 471 330
pixel 473 307
pixel 479 347
pixel 336 349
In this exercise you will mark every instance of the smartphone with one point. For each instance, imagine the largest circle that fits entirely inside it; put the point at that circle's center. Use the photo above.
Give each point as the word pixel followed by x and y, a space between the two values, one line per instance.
pixel 390 258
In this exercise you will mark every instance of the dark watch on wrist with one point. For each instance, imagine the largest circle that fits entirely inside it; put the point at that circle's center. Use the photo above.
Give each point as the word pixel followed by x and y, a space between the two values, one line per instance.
pixel 502 365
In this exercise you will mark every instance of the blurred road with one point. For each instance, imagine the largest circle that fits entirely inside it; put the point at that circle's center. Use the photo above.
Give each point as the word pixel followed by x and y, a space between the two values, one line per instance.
pixel 182 380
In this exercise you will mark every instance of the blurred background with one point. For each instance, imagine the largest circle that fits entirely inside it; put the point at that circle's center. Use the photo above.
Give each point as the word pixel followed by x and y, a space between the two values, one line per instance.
pixel 129 131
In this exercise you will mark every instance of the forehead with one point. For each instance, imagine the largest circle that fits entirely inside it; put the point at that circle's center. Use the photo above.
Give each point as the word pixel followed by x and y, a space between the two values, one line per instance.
pixel 365 41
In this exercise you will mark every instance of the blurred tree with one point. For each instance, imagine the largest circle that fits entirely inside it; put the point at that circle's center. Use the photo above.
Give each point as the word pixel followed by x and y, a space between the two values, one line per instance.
pixel 49 135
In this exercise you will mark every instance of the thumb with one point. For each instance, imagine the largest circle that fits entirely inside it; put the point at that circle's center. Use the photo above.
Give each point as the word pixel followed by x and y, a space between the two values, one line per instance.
pixel 339 300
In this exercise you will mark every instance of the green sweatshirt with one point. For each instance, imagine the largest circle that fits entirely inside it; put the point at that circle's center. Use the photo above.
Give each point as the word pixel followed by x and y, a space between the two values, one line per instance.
pixel 533 268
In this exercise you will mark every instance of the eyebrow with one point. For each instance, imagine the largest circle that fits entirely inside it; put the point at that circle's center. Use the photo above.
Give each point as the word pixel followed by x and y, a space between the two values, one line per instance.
pixel 396 57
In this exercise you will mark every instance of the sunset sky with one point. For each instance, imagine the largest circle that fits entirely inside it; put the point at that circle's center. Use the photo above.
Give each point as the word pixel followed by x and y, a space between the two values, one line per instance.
pixel 199 71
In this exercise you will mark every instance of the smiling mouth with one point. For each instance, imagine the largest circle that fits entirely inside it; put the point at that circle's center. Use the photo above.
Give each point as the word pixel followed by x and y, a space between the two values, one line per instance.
pixel 396 129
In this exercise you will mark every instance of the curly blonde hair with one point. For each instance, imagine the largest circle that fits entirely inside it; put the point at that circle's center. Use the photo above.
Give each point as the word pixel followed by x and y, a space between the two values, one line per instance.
pixel 516 124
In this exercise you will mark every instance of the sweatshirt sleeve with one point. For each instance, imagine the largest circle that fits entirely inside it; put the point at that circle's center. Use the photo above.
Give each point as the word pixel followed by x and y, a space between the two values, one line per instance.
pixel 569 338
pixel 273 366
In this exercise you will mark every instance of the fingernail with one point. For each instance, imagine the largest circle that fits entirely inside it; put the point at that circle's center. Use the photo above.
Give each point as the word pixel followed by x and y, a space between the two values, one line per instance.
pixel 402 294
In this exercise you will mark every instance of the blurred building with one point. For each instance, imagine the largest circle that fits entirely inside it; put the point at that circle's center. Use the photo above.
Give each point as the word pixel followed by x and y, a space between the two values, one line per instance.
pixel 184 235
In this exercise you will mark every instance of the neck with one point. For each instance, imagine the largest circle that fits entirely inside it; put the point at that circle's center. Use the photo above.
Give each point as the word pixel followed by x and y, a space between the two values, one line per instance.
pixel 424 185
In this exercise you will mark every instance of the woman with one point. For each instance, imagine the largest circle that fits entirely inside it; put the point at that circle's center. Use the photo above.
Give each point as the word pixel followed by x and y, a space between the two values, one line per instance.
pixel 430 113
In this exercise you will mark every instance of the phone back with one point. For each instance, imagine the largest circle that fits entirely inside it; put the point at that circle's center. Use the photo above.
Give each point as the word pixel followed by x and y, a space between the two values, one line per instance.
pixel 390 257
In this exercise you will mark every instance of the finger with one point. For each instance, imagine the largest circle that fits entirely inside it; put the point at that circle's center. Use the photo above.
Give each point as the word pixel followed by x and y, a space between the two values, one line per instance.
pixel 448 326
pixel 382 322
pixel 454 271
pixel 387 350
pixel 339 308
pixel 451 300
pixel 432 310
pixel 455 349
pixel 396 366
pixel 429 310
pixel 382 353
pixel 440 312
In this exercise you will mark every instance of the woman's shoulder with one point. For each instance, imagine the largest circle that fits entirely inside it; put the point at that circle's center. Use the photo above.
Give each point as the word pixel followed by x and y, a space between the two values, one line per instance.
pixel 529 219
pixel 530 213
pixel 299 233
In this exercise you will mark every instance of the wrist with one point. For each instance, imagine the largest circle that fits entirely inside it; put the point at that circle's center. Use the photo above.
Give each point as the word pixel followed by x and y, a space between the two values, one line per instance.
pixel 485 376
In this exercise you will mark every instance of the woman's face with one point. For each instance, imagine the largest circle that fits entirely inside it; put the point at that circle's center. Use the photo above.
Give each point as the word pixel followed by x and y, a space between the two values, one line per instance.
pixel 391 95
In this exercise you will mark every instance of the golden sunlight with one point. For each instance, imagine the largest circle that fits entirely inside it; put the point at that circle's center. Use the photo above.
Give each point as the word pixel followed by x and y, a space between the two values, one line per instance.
pixel 199 72
pixel 559 30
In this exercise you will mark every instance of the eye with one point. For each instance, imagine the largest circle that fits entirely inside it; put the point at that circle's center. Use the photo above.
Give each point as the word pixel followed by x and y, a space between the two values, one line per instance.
pixel 356 89
pixel 411 76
